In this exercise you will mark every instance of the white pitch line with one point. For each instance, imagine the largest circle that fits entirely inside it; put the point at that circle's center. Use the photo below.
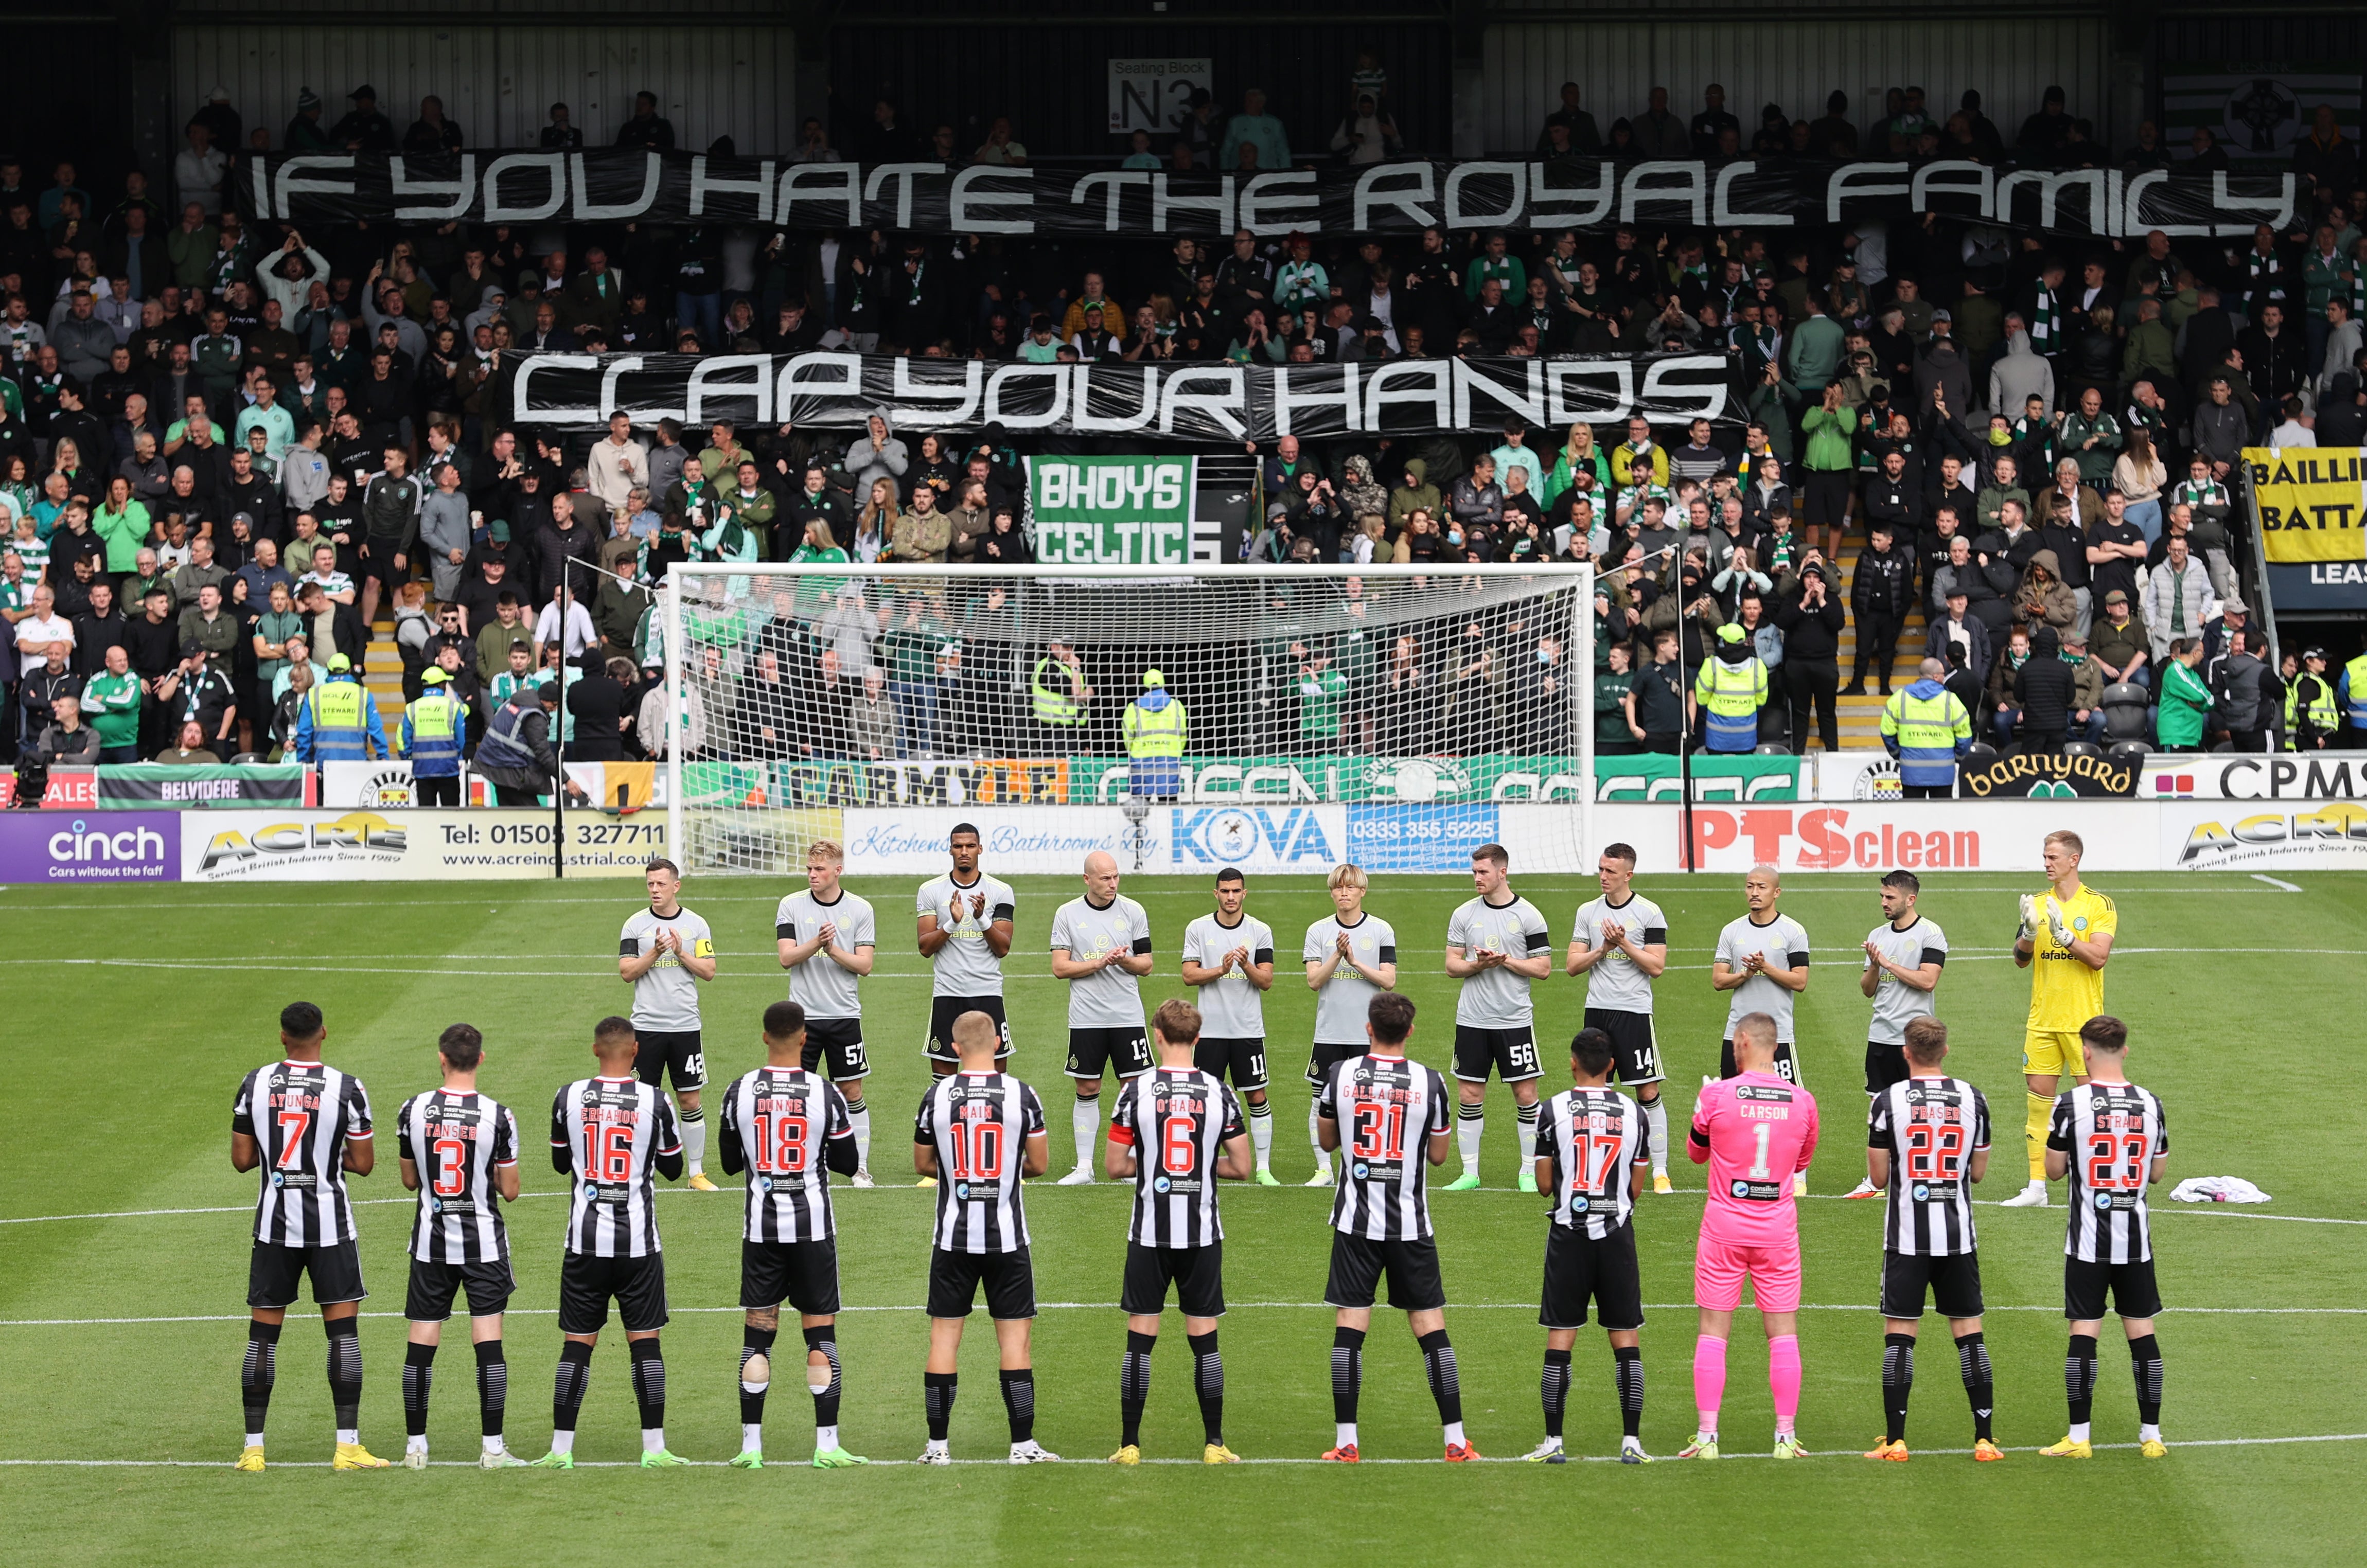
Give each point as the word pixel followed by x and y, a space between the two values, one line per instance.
pixel 915 1464
pixel 2281 886
pixel 2053 1309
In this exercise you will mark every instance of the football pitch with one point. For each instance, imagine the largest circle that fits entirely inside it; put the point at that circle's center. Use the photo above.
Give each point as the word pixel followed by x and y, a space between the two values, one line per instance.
pixel 124 1240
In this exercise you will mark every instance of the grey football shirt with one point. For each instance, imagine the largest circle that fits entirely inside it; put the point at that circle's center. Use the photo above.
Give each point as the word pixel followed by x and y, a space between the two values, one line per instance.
pixel 965 966
pixel 1110 998
pixel 820 985
pixel 1340 1005
pixel 1497 998
pixel 1614 984
pixel 1894 1005
pixel 1785 946
pixel 665 997
pixel 1232 1007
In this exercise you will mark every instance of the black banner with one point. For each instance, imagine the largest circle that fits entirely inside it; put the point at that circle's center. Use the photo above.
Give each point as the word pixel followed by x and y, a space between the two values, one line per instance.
pixel 1224 403
pixel 619 185
pixel 2049 775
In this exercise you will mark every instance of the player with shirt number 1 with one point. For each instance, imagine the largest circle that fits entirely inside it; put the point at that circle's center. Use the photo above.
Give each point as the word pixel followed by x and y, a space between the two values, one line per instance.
pixel 2065 941
pixel 1751 1130
pixel 1229 955
pixel 664 952
pixel 827 938
pixel 1497 946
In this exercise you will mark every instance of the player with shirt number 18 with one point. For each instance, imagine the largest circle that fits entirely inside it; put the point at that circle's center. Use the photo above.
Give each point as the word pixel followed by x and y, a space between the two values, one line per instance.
pixel 1229 956
pixel 787 1128
pixel 664 952
pixel 826 939
pixel 1497 944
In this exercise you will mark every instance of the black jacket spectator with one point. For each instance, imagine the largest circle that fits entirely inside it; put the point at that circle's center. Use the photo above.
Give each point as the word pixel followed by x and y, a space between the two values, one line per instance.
pixel 597 702
pixel 2043 687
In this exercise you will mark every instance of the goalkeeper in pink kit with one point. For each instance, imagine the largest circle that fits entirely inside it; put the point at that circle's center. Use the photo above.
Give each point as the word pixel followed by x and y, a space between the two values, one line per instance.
pixel 1754 1130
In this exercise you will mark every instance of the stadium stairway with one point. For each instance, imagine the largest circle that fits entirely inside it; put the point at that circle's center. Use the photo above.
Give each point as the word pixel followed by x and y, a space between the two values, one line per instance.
pixel 1860 718
pixel 383 673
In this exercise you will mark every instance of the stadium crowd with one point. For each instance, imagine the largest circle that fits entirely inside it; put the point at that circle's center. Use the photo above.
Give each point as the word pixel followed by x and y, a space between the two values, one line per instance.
pixel 234 453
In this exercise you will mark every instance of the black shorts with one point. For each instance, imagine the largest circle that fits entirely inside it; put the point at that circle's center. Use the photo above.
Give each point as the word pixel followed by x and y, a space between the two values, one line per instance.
pixel 1955 1283
pixel 1512 1053
pixel 272 1272
pixel 955 1277
pixel 670 1050
pixel 1097 1053
pixel 1579 1269
pixel 1358 1263
pixel 1787 1066
pixel 802 1273
pixel 1197 1272
pixel 1634 1045
pixel 585 1283
pixel 840 1039
pixel 943 1010
pixel 433 1286
pixel 1322 1058
pixel 1245 1059
pixel 2132 1286
pixel 1886 1064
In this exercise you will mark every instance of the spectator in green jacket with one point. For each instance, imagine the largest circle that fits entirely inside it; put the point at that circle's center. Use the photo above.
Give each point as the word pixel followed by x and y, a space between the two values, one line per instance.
pixel 112 702
pixel 190 247
pixel 2092 438
pixel 1830 462
pixel 2151 349
pixel 1813 357
pixel 2185 700
pixel 123 524
pixel 1260 130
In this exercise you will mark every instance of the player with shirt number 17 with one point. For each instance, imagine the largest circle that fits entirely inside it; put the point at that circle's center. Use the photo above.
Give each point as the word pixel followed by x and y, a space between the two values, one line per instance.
pixel 1497 944
pixel 303 1124
pixel 1229 955
pixel 827 938
pixel 663 952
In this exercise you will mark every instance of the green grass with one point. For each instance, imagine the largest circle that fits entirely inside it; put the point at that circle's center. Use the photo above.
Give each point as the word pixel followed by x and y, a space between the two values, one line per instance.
pixel 161 998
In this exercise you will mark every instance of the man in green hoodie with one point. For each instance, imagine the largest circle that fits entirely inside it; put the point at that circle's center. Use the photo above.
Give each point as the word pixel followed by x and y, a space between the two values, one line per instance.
pixel 1416 494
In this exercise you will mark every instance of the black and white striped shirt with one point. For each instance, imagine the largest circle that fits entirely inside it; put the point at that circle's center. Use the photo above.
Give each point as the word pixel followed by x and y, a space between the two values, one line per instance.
pixel 1597 1141
pixel 979 1124
pixel 615 1129
pixel 1931 1127
pixel 1388 1109
pixel 782 1117
pixel 1175 1119
pixel 302 1115
pixel 456 1141
pixel 2112 1132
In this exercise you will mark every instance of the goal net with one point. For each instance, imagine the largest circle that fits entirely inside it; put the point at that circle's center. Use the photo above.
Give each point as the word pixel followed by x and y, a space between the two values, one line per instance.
pixel 1188 717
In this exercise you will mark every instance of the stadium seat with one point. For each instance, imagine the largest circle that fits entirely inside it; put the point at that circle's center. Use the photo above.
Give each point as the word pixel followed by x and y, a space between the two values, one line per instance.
pixel 2128 753
pixel 2083 748
pixel 1979 755
pixel 1770 749
pixel 2125 704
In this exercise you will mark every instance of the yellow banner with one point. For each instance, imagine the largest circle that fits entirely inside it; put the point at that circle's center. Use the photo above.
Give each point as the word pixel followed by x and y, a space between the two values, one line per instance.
pixel 2313 503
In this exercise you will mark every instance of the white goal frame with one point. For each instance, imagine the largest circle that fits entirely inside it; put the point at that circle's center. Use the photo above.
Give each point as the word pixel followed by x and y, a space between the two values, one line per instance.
pixel 1579 638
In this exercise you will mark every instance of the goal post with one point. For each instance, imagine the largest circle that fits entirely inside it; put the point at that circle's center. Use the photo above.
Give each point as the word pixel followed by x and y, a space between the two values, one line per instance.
pixel 1280 718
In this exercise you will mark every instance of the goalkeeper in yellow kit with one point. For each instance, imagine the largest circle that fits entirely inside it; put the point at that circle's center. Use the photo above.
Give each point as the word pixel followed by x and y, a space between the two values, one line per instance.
pixel 2067 933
